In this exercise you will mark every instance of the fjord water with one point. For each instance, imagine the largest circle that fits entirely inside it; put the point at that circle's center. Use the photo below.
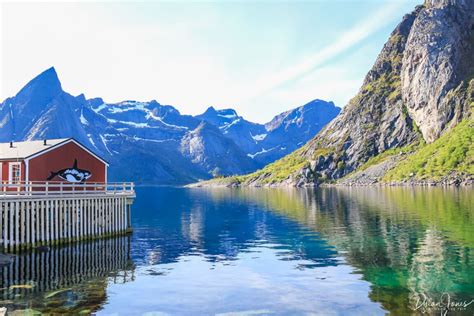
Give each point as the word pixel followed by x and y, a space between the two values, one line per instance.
pixel 330 251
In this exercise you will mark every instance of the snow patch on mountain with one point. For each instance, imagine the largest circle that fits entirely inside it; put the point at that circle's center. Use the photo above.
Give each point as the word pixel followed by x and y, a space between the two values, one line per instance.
pixel 99 108
pixel 228 125
pixel 258 137
pixel 263 151
pixel 104 141
pixel 83 119
pixel 159 119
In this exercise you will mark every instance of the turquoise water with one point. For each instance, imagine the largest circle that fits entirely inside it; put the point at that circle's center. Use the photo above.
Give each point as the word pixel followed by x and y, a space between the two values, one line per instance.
pixel 331 251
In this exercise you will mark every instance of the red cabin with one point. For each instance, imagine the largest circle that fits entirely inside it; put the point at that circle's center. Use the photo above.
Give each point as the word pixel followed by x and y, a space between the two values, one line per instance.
pixel 53 160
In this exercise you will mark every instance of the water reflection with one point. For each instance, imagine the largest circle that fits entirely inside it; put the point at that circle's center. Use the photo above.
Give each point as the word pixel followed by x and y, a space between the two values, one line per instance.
pixel 404 241
pixel 69 279
pixel 350 251
pixel 217 229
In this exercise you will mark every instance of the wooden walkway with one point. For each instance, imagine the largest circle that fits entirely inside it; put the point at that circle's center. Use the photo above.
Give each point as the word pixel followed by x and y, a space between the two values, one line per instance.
pixel 38 214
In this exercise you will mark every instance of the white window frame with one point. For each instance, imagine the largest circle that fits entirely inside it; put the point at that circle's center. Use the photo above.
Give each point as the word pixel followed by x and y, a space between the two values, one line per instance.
pixel 10 172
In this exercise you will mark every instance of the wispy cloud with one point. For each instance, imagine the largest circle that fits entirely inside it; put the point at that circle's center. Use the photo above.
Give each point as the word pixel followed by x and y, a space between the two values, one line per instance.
pixel 195 54
pixel 345 42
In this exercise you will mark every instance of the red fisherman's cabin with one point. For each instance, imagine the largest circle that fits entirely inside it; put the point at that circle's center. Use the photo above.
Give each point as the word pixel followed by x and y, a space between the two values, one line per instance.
pixel 53 160
pixel 55 191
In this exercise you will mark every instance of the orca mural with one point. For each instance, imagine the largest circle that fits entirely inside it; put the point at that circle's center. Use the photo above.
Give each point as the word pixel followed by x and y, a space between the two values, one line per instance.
pixel 74 174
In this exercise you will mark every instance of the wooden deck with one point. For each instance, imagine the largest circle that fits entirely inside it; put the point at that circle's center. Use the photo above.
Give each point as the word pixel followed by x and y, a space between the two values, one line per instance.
pixel 50 213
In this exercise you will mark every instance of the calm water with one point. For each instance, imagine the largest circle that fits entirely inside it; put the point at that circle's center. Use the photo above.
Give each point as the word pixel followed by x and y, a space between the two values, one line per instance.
pixel 334 251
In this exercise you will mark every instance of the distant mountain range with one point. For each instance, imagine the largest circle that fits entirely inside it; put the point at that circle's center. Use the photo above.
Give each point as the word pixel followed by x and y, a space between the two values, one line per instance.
pixel 152 143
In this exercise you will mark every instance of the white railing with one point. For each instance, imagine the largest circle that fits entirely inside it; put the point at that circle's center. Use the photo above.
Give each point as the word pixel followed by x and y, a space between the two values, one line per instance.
pixel 47 188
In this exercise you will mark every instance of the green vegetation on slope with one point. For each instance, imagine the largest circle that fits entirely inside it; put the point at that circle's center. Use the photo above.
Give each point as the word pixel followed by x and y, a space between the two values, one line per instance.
pixel 282 169
pixel 386 154
pixel 452 152
pixel 279 170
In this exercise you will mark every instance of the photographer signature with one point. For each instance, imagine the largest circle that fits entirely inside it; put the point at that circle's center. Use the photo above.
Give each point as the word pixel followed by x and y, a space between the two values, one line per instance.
pixel 445 304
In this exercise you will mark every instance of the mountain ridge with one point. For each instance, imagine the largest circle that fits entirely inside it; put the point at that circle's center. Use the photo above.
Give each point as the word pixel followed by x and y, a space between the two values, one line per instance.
pixel 177 148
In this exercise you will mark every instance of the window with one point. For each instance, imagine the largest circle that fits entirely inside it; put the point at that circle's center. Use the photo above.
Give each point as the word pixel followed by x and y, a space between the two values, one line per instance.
pixel 14 173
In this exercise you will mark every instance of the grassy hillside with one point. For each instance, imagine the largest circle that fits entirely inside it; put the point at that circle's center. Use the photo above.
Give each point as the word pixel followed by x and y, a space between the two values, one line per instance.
pixel 451 153
pixel 277 171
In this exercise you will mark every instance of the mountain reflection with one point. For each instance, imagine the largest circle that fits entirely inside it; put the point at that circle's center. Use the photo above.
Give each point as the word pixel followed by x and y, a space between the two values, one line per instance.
pixel 217 229
pixel 404 241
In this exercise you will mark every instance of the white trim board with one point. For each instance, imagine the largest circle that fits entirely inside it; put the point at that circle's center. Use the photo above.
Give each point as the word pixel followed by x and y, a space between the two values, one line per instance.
pixel 10 171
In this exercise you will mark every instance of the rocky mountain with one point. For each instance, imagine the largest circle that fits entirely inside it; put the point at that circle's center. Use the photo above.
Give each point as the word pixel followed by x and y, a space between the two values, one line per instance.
pixel 286 132
pixel 245 134
pixel 411 120
pixel 206 146
pixel 149 142
pixel 292 129
pixel 40 110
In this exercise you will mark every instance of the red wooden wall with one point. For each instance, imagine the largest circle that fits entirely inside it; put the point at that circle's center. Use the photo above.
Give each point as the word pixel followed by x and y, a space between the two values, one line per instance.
pixel 63 157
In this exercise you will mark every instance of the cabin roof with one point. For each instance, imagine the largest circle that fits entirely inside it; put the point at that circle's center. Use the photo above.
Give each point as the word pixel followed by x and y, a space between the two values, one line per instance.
pixel 22 150
pixel 29 149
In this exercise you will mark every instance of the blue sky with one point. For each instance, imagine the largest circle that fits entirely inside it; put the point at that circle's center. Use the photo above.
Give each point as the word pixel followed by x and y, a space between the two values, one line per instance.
pixel 260 58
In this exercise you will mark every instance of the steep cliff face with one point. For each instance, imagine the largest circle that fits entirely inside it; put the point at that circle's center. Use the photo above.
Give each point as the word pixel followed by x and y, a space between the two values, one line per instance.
pixel 437 58
pixel 418 89
pixel 374 120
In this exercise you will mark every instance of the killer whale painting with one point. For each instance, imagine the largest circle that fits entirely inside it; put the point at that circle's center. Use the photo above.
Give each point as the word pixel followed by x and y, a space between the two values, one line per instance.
pixel 74 174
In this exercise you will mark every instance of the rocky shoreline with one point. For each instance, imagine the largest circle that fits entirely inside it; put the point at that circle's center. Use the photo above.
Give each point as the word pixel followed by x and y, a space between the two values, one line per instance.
pixel 448 181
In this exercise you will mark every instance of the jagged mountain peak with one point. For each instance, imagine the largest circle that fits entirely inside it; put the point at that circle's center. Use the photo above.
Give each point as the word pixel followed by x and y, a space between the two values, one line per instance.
pixel 228 113
pixel 41 109
pixel 316 104
pixel 221 118
pixel 81 98
pixel 43 87
pixel 210 110
pixel 314 111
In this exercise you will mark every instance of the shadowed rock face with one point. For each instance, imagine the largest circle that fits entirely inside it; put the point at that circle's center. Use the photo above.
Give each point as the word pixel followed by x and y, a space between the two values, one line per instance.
pixel 438 56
